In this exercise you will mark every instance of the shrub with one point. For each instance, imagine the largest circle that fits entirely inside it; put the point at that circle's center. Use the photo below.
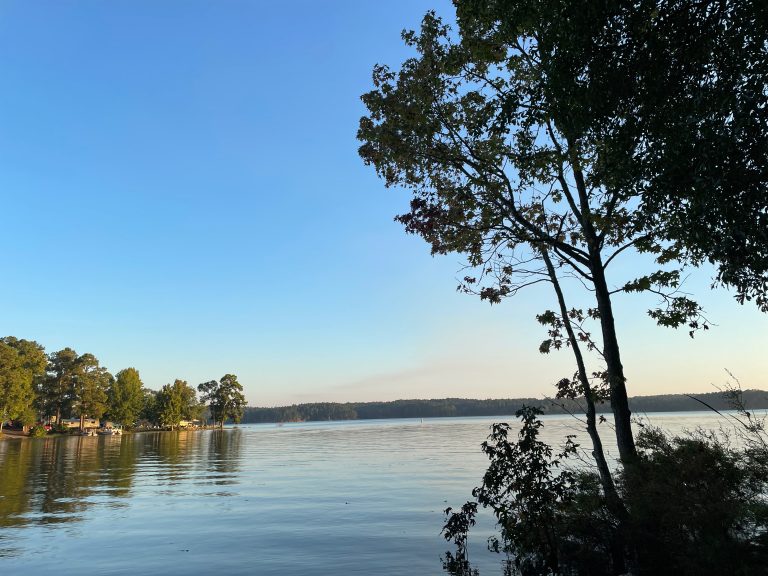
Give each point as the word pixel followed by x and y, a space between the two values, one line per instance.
pixel 695 506
pixel 37 431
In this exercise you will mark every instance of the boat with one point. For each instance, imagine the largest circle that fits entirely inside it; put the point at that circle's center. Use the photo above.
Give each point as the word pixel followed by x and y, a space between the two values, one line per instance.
pixel 112 431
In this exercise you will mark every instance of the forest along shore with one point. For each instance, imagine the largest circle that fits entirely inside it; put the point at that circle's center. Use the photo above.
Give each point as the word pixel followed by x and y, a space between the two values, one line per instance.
pixel 448 407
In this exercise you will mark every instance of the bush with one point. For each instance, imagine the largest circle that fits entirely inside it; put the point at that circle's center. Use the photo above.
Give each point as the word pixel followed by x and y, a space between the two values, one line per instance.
pixel 695 506
pixel 37 431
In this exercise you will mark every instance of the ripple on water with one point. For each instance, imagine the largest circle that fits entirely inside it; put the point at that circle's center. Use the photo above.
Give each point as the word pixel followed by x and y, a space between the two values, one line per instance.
pixel 309 499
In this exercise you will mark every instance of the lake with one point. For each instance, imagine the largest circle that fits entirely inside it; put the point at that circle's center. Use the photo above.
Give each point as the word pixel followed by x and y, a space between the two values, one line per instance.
pixel 359 497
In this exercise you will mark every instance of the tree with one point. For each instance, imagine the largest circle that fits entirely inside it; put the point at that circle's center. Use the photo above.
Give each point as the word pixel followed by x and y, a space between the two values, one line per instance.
pixel 546 128
pixel 525 152
pixel 149 406
pixel 225 398
pixel 16 391
pixel 58 386
pixel 501 184
pixel 32 364
pixel 126 396
pixel 672 98
pixel 697 505
pixel 33 357
pixel 91 383
pixel 177 402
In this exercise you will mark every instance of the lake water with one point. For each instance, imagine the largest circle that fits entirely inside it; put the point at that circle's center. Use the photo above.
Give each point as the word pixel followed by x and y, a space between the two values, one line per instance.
pixel 362 497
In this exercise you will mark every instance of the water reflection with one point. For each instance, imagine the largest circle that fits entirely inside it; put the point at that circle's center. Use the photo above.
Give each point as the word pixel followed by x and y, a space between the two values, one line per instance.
pixel 58 480
pixel 310 499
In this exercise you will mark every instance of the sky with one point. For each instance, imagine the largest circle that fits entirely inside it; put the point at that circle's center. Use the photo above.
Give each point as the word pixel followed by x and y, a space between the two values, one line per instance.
pixel 180 192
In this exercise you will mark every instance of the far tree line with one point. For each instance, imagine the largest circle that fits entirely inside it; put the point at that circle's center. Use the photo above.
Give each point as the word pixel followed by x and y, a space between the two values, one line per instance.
pixel 457 407
pixel 40 387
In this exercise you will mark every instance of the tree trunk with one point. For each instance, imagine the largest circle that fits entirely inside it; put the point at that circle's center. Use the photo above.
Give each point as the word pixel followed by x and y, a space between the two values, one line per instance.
pixel 616 380
pixel 612 498
pixel 589 397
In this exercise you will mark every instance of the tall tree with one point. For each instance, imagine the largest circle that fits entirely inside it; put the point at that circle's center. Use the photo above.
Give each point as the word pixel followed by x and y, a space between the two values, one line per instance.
pixel 584 132
pixel 16 391
pixel 225 398
pixel 546 139
pixel 58 386
pixel 176 402
pixel 34 363
pixel 126 397
pixel 91 383
pixel 468 126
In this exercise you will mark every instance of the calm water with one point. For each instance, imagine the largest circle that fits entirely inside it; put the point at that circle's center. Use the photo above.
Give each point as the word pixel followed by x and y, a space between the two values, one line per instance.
pixel 360 497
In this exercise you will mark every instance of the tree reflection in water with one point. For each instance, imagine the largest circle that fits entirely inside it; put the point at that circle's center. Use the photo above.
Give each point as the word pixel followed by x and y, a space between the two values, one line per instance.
pixel 57 480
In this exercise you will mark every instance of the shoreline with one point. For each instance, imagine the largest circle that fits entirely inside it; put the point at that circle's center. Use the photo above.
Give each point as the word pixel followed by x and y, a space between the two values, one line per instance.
pixel 9 434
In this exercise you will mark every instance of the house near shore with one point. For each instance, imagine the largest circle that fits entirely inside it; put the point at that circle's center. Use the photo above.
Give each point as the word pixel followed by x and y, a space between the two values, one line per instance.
pixel 75 423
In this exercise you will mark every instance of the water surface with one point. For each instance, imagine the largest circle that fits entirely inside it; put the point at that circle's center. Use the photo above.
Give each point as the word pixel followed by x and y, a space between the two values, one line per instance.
pixel 361 497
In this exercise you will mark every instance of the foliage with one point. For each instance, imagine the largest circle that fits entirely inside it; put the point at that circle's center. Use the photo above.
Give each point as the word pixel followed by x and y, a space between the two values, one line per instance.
pixel 477 127
pixel 90 386
pixel 22 363
pixel 60 428
pixel 672 95
pixel 57 390
pixel 225 398
pixel 529 493
pixel 126 397
pixel 38 431
pixel 696 506
pixel 177 402
pixel 149 407
pixel 32 356
pixel 34 386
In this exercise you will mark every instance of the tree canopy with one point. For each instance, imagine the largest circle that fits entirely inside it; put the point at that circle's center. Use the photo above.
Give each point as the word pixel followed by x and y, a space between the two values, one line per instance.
pixel 545 139
pixel 526 151
pixel 671 98
pixel 22 364
pixel 58 385
pixel 126 396
pixel 177 402
pixel 91 383
pixel 64 384
pixel 225 398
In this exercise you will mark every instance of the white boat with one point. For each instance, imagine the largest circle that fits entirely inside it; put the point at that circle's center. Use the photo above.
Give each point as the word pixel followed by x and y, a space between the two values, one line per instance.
pixel 113 431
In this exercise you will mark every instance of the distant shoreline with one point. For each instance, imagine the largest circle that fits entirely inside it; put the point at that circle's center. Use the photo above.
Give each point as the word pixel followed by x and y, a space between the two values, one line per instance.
pixel 448 407
pixel 462 407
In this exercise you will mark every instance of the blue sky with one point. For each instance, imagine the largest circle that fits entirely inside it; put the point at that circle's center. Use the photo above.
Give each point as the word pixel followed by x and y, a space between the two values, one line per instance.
pixel 181 193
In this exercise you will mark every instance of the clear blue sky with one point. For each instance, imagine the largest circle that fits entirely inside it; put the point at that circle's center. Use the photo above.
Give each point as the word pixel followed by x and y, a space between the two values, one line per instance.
pixel 181 193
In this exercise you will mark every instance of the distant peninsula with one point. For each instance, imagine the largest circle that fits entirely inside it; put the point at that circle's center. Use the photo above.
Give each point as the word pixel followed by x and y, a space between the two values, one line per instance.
pixel 447 407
